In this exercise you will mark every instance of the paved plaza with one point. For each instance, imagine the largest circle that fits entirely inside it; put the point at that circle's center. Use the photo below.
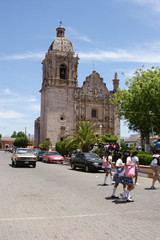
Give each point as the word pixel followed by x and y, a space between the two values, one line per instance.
pixel 53 202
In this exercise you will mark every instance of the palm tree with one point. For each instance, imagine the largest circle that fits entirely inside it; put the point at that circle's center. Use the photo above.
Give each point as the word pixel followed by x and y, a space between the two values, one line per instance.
pixel 84 136
pixel 107 138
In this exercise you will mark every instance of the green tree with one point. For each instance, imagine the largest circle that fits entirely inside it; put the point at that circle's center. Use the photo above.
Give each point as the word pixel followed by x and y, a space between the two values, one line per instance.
pixel 21 134
pixel 107 138
pixel 84 136
pixel 45 145
pixel 21 140
pixel 139 103
pixel 14 134
pixel 65 147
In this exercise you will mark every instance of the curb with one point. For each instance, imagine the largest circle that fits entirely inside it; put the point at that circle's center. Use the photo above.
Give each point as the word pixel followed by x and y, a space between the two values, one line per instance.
pixel 147 175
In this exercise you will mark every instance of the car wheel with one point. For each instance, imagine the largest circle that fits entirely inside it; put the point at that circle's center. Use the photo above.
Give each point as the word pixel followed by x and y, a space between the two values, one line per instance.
pixel 87 169
pixel 61 162
pixel 34 165
pixel 73 166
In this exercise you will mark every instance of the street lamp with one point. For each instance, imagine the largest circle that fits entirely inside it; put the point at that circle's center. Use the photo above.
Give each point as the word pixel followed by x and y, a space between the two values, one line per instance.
pixel 100 127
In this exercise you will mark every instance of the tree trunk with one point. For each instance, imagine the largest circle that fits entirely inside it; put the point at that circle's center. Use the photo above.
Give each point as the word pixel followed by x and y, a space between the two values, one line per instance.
pixel 147 145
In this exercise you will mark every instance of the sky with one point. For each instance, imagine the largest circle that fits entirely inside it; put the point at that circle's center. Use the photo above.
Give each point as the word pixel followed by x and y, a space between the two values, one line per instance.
pixel 108 35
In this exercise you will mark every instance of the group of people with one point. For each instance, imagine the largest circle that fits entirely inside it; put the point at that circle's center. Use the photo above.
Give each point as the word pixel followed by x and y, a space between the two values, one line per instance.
pixel 127 182
pixel 112 147
pixel 128 159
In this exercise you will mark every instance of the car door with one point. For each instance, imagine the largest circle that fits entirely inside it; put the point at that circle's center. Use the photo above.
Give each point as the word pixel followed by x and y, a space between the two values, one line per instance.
pixel 82 160
pixel 77 160
pixel 45 157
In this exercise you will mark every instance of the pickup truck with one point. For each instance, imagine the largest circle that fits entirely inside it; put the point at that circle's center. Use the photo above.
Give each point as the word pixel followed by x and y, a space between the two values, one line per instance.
pixel 23 156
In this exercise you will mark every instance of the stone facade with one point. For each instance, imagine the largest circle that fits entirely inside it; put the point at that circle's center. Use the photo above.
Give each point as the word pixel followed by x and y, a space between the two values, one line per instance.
pixel 63 103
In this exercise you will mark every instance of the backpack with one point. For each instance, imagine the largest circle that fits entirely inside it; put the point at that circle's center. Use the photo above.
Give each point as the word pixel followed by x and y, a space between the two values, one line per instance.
pixel 105 162
pixel 155 161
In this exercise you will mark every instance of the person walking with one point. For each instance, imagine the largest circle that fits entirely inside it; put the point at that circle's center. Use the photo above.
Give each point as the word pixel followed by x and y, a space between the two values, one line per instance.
pixel 156 169
pixel 108 167
pixel 117 179
pixel 135 160
pixel 128 180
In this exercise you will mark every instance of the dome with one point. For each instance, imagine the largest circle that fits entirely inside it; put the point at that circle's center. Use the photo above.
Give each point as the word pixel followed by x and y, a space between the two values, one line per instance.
pixel 61 44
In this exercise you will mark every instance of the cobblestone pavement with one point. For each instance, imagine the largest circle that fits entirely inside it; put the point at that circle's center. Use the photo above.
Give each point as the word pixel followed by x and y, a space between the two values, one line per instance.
pixel 53 202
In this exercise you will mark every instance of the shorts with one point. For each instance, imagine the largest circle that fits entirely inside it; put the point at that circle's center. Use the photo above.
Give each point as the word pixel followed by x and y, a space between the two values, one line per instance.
pixel 156 173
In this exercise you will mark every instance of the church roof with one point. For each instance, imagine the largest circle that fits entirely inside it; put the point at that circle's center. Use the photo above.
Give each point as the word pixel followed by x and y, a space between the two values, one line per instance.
pixel 61 44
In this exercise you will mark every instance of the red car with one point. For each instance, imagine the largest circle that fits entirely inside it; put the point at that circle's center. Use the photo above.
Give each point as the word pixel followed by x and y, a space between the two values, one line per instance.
pixel 53 157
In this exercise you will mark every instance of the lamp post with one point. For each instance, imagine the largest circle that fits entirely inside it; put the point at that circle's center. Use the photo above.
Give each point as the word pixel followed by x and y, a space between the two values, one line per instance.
pixel 100 128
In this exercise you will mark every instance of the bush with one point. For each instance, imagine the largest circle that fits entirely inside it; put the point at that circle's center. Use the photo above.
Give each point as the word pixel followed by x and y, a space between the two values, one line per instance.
pixel 145 159
pixel 45 145
pixel 60 147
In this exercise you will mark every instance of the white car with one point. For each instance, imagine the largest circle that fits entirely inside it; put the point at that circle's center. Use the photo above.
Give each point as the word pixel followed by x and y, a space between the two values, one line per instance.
pixel 23 156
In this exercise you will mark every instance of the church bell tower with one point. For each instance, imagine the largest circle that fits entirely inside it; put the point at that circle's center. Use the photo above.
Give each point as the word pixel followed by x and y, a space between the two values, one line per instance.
pixel 60 69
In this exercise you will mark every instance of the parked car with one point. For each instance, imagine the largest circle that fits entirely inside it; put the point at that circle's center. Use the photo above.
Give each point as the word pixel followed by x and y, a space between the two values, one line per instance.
pixel 35 150
pixel 87 161
pixel 23 156
pixel 40 155
pixel 53 157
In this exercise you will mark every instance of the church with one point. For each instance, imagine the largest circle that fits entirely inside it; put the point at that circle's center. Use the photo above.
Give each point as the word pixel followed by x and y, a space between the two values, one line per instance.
pixel 64 103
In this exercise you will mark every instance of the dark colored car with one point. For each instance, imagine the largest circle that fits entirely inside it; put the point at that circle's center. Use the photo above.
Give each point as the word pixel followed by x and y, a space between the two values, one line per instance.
pixel 40 155
pixel 87 161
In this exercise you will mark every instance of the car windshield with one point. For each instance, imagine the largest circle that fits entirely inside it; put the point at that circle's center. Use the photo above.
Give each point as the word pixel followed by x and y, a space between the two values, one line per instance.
pixel 53 153
pixel 22 151
pixel 41 152
pixel 92 156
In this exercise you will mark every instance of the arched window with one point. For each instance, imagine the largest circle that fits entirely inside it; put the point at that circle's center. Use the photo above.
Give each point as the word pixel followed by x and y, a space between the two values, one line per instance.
pixel 62 72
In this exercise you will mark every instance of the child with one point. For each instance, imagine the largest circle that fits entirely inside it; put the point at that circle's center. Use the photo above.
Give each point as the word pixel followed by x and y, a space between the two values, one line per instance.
pixel 129 180
pixel 119 164
pixel 108 168
pixel 156 170
pixel 135 160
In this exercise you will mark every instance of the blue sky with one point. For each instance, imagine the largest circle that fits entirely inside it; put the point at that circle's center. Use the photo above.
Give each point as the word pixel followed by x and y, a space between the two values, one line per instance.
pixel 108 35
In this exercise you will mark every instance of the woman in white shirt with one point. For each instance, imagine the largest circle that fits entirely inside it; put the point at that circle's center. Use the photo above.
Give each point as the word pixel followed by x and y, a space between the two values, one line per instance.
pixel 128 180
pixel 108 168
pixel 117 179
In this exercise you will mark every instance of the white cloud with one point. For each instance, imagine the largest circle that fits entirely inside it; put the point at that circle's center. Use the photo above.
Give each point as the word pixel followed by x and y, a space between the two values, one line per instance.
pixel 34 107
pixel 78 35
pixel 7 91
pixel 15 97
pixel 24 56
pixel 154 4
pixel 10 115
pixel 148 53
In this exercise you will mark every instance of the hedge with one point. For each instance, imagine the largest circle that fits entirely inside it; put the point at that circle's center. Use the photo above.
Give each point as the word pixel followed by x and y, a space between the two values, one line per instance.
pixel 145 159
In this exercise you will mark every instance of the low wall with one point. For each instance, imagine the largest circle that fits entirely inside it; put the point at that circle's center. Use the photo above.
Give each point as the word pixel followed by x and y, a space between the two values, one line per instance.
pixel 146 170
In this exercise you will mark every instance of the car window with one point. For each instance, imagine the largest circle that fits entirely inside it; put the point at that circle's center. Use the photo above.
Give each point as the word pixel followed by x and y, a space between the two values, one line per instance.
pixel 53 153
pixel 92 156
pixel 22 151
pixel 78 155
